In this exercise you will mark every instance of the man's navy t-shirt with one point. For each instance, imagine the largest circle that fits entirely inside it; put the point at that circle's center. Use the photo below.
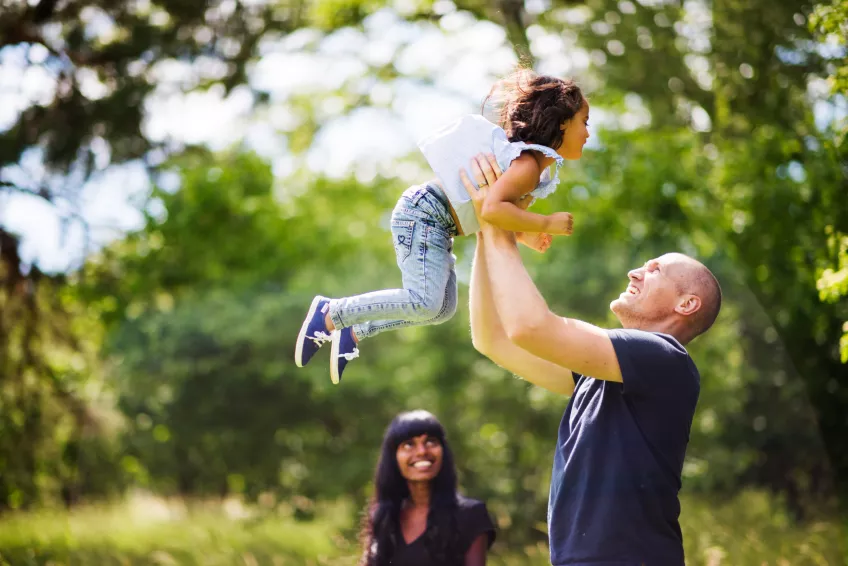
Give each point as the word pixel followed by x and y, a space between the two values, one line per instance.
pixel 619 458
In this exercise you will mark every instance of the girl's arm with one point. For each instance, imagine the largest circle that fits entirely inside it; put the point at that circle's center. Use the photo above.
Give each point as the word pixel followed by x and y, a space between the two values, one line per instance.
pixel 537 241
pixel 499 208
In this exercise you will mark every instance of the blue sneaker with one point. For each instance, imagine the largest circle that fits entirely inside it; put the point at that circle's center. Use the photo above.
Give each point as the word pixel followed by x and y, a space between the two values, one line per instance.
pixel 343 351
pixel 313 333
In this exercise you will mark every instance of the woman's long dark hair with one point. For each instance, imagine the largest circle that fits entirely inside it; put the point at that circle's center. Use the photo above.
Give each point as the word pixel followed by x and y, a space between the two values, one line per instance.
pixel 380 525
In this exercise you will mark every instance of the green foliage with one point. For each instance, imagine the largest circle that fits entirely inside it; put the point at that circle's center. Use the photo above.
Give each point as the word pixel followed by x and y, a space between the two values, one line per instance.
pixel 833 282
pixel 829 21
pixel 151 532
pixel 750 530
pixel 55 412
pixel 191 319
pixel 757 180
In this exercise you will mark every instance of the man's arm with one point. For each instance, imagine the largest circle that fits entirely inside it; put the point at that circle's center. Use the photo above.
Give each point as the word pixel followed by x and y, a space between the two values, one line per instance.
pixel 490 339
pixel 529 323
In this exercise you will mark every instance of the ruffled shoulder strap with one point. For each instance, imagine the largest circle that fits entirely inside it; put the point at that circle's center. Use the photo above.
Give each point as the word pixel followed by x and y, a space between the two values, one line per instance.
pixel 507 152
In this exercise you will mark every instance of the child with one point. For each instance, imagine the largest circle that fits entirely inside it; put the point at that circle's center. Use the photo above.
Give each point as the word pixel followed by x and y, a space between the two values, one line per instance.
pixel 544 121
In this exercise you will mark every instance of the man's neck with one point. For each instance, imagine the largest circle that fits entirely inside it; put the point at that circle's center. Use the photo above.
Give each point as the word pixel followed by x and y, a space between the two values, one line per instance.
pixel 673 328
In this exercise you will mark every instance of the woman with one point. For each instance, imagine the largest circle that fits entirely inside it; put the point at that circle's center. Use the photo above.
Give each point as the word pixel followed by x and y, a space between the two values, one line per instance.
pixel 416 517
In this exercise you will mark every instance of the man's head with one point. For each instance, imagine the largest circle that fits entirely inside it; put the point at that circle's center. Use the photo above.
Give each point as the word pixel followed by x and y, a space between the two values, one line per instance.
pixel 674 294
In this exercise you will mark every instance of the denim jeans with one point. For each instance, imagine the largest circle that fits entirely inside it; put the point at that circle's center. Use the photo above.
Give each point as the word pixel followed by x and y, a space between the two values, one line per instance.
pixel 422 232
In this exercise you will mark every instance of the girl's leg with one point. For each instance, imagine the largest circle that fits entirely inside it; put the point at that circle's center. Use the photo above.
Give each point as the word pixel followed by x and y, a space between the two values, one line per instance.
pixel 422 227
pixel 423 250
pixel 447 311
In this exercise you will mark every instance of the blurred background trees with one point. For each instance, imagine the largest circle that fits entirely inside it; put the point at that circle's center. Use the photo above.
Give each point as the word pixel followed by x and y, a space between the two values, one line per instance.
pixel 161 357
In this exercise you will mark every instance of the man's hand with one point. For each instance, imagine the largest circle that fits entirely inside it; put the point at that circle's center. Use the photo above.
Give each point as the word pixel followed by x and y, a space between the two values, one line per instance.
pixel 486 171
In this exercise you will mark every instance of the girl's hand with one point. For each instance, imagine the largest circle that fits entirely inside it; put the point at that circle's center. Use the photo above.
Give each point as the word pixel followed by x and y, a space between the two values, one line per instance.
pixel 535 241
pixel 560 223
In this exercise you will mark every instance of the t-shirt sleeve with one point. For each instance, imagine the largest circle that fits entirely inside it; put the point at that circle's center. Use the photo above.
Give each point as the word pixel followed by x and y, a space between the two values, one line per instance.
pixel 474 521
pixel 654 364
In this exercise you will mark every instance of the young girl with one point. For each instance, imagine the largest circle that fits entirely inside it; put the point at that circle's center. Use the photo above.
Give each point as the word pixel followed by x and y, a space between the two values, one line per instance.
pixel 416 516
pixel 544 121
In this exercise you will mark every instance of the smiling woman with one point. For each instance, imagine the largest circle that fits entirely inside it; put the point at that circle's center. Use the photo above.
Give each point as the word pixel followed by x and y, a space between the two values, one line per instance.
pixel 417 517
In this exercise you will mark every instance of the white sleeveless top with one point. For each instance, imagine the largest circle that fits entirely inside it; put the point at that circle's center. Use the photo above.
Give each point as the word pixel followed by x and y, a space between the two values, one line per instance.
pixel 451 148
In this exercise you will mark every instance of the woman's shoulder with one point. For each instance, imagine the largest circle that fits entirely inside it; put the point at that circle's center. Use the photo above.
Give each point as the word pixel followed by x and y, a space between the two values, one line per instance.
pixel 474 519
pixel 473 511
pixel 467 503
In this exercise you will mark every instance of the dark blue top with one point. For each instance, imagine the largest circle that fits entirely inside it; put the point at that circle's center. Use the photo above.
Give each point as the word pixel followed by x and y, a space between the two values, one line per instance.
pixel 619 457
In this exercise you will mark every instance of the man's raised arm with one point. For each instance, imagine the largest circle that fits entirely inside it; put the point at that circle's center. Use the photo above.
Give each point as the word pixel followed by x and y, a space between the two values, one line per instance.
pixel 529 323
pixel 490 339
pixel 524 315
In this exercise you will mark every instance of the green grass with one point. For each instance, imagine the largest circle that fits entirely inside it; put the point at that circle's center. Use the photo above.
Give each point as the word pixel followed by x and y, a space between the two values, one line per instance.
pixel 752 529
pixel 149 531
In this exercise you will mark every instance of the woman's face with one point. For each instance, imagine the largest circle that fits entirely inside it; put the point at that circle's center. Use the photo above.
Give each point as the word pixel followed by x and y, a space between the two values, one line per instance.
pixel 420 458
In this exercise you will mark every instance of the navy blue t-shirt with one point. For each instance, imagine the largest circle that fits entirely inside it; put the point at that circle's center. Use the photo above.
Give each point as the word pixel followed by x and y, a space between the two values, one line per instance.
pixel 619 458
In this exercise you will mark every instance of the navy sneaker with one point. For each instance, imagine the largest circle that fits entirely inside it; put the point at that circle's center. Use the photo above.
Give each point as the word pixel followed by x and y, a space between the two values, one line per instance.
pixel 343 351
pixel 313 333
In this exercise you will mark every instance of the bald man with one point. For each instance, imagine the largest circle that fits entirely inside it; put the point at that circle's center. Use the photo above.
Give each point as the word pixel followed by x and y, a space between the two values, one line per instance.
pixel 622 440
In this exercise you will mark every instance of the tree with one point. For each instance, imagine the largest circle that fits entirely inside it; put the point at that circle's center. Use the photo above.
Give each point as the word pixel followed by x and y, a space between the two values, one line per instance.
pixel 724 161
pixel 830 24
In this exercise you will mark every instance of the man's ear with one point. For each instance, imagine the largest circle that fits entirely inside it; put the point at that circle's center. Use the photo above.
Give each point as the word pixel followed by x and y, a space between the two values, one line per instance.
pixel 688 305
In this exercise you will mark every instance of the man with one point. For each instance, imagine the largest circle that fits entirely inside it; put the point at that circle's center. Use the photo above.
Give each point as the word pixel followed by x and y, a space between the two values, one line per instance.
pixel 622 440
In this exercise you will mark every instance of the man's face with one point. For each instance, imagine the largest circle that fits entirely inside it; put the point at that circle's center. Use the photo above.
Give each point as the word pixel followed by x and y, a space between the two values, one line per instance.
pixel 653 292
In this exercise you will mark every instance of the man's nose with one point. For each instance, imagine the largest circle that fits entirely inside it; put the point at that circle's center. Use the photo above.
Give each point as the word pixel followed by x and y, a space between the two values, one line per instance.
pixel 635 273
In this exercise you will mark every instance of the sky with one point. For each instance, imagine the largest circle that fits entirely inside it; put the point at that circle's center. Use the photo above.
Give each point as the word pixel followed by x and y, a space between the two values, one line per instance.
pixel 459 57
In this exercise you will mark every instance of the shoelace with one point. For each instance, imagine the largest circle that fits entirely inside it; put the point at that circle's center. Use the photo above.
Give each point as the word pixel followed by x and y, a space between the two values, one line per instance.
pixel 320 338
pixel 350 355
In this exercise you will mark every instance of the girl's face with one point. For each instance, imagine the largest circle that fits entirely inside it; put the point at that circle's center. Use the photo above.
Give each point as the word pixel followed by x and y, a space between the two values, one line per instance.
pixel 420 458
pixel 575 133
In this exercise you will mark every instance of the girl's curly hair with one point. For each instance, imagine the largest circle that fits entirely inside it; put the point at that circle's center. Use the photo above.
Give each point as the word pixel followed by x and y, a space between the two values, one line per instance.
pixel 532 107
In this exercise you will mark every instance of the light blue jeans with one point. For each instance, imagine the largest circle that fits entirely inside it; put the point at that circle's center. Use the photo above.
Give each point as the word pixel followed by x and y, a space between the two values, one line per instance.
pixel 422 232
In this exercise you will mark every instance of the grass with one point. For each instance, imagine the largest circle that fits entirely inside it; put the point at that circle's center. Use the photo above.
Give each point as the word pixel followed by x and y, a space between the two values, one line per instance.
pixel 150 531
pixel 751 529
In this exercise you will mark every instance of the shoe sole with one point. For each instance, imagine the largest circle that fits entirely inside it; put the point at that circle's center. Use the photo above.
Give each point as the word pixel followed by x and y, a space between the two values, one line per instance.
pixel 301 338
pixel 334 356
